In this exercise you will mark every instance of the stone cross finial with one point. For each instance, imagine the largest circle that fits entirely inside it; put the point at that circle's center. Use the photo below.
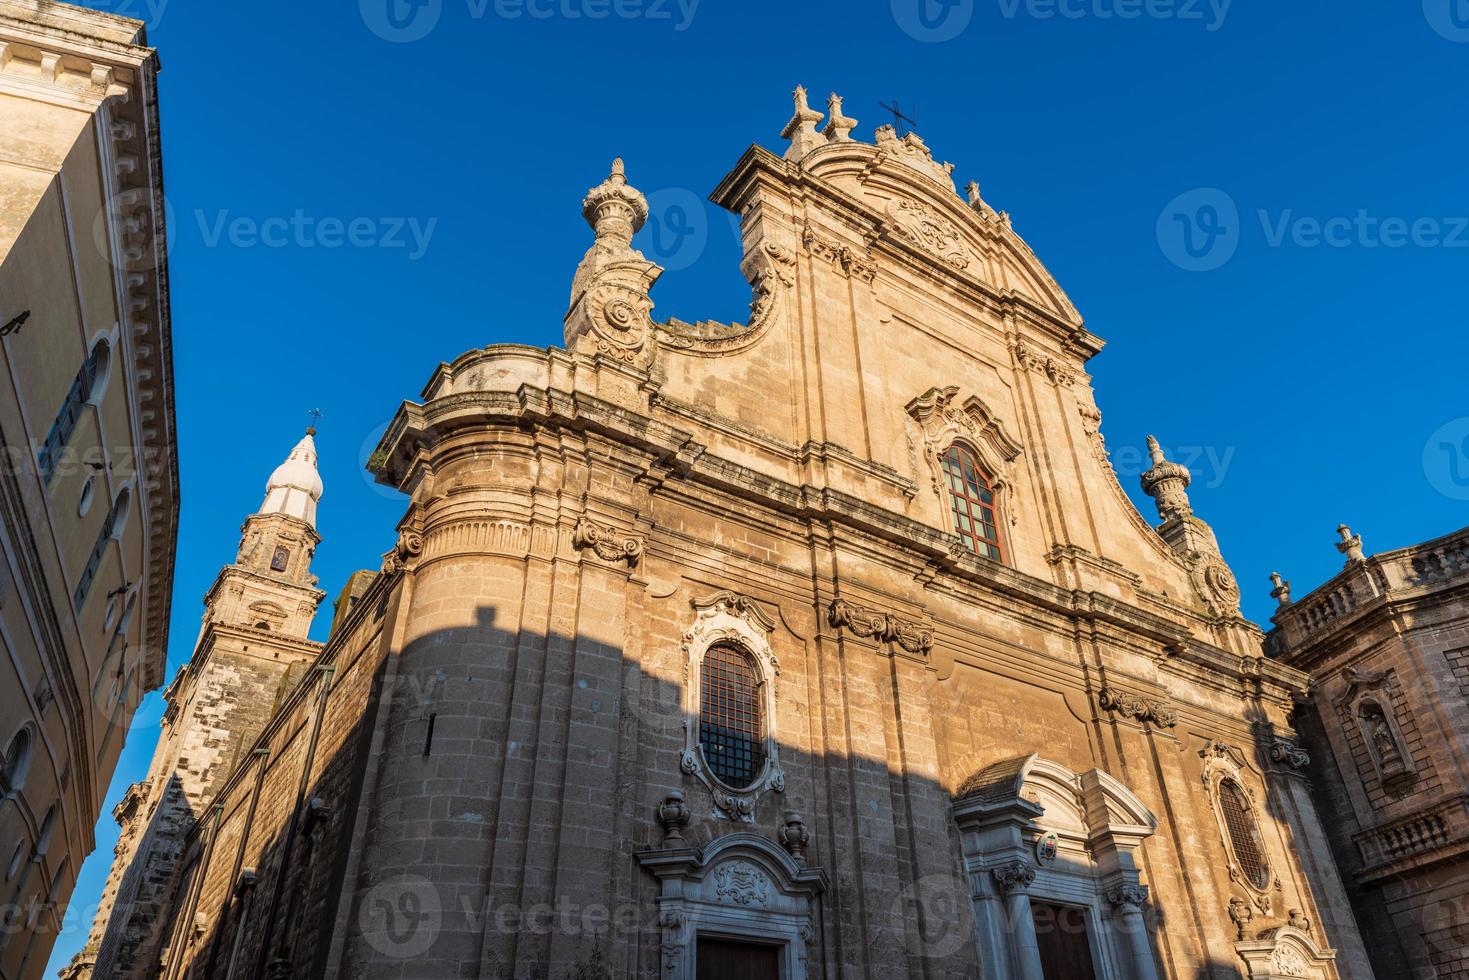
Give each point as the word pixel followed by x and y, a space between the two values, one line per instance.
pixel 801 130
pixel 1281 592
pixel 1167 483
pixel 1350 544
pixel 838 126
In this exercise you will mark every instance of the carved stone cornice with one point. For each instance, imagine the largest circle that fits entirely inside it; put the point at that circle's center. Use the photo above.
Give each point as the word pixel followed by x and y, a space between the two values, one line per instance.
pixel 1138 708
pixel 406 447
pixel 607 542
pixel 869 623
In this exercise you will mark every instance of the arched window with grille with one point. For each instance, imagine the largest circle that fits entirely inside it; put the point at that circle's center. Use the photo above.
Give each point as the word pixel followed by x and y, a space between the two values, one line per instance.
pixel 1243 833
pixel 731 722
pixel 972 498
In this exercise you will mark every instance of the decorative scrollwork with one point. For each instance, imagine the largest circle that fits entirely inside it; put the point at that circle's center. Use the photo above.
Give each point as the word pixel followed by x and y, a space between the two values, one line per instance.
pixel 869 623
pixel 1016 876
pixel 741 883
pixel 1137 707
pixel 607 542
pixel 923 227
pixel 1288 753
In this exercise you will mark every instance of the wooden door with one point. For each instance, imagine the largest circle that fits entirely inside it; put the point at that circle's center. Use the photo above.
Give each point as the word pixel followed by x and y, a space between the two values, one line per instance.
pixel 1060 932
pixel 725 959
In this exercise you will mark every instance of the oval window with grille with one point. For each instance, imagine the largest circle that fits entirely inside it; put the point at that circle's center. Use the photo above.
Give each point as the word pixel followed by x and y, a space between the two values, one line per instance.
pixel 731 722
pixel 1244 834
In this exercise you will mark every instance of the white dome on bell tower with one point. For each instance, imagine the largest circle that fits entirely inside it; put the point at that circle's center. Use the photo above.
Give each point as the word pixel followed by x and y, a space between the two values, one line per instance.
pixel 295 486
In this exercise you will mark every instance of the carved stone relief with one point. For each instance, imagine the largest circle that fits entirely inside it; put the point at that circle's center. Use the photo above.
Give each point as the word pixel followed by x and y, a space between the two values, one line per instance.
pixel 869 623
pixel 607 542
pixel 925 228
pixel 1137 707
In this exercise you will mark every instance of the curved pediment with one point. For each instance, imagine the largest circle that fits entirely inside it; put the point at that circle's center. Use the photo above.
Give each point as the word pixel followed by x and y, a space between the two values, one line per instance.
pixel 917 205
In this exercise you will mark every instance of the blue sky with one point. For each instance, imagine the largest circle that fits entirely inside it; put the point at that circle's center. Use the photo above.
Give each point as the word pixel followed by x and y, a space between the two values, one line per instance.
pixel 1259 205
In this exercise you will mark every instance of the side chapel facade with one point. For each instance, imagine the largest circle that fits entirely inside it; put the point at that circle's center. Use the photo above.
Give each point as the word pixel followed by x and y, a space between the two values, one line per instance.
pixel 822 645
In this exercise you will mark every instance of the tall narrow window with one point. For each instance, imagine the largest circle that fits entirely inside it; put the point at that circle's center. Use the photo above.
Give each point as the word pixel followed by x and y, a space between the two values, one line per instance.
pixel 1244 834
pixel 86 387
pixel 973 499
pixel 112 527
pixel 731 729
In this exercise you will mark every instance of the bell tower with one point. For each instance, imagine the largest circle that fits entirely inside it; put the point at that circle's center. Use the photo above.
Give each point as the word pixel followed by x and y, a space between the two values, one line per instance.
pixel 252 650
pixel 270 586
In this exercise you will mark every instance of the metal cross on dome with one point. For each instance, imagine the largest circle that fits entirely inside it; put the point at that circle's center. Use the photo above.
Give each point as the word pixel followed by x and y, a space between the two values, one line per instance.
pixel 899 117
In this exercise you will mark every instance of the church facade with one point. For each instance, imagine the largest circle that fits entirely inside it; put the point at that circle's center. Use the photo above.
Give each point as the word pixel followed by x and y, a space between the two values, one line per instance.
pixel 821 645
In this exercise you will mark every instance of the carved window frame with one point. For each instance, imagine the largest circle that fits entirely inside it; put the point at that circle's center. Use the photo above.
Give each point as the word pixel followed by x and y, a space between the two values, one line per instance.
pixel 941 420
pixel 1220 766
pixel 729 619
pixel 992 483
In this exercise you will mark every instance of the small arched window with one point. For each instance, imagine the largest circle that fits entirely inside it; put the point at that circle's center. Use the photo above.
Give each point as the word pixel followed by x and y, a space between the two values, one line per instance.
pixel 972 496
pixel 87 387
pixel 731 722
pixel 1244 834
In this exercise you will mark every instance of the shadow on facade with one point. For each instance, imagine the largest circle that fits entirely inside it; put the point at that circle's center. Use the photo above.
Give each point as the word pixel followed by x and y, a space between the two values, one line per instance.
pixel 489 811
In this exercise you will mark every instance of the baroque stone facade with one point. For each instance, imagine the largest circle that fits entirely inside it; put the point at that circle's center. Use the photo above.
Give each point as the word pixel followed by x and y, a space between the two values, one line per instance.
pixel 1386 729
pixel 88 472
pixel 825 644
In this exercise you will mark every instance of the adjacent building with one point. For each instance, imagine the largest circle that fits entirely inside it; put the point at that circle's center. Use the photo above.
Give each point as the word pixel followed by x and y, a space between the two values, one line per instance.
pixel 252 651
pixel 89 484
pixel 1387 726
pixel 825 644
